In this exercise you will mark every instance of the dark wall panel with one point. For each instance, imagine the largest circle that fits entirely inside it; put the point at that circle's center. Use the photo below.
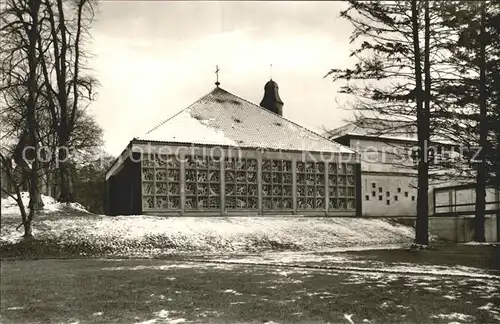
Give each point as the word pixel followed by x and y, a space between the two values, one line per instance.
pixel 123 190
pixel 359 191
pixel 134 176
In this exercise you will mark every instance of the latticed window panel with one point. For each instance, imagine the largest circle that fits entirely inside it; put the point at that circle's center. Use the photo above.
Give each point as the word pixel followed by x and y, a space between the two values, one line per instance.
pixel 202 182
pixel 147 188
pixel 161 182
pixel 277 181
pixel 148 174
pixel 240 177
pixel 342 186
pixel 310 185
pixel 148 202
pixel 161 188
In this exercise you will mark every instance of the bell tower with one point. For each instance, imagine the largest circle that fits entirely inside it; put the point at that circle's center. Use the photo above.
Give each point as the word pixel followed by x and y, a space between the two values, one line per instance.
pixel 272 100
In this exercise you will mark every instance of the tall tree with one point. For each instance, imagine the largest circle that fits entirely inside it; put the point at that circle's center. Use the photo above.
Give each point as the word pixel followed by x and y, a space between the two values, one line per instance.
pixel 45 90
pixel 21 25
pixel 89 186
pixel 423 108
pixel 472 92
pixel 480 208
pixel 390 61
pixel 69 91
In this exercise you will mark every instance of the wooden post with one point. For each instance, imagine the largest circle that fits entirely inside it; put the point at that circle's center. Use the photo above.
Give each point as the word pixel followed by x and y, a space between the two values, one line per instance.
pixel 327 191
pixel 259 183
pixel 455 200
pixel 182 181
pixel 222 184
pixel 359 193
pixel 107 197
pixel 497 198
pixel 294 185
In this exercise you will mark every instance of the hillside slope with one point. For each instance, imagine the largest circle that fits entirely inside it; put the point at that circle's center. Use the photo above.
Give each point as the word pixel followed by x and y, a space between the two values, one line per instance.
pixel 62 225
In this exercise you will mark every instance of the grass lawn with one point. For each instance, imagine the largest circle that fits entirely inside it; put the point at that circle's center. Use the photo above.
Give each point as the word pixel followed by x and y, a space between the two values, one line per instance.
pixel 170 291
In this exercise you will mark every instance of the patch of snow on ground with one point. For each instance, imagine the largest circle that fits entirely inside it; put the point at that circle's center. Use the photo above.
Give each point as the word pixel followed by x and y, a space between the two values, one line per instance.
pixel 449 297
pixel 15 308
pixel 487 306
pixel 479 243
pixel 454 316
pixel 237 303
pixel 348 317
pixel 325 256
pixel 232 291
pixel 185 265
pixel 493 309
pixel 164 317
pixel 148 234
pixel 433 270
pixel 335 263
pixel 10 208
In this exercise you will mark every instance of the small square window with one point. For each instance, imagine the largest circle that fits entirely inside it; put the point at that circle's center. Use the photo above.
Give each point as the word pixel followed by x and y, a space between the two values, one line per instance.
pixel 399 190
pixel 374 194
pixel 395 198
pixel 413 198
pixel 374 185
pixel 406 193
pixel 379 197
pixel 388 194
pixel 388 202
pixel 379 189
pixel 367 197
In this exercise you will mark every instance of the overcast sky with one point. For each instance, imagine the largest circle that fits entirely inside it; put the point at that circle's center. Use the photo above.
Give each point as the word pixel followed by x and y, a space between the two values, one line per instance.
pixel 155 58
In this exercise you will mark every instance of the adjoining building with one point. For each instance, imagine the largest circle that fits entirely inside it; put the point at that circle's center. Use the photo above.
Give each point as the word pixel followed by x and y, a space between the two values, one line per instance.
pixel 224 155
pixel 388 151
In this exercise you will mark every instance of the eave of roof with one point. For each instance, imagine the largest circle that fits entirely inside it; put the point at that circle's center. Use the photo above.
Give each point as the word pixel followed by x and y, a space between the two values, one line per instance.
pixel 354 131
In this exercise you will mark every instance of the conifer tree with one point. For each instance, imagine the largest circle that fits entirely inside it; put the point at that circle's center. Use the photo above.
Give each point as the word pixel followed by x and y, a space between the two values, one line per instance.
pixel 391 64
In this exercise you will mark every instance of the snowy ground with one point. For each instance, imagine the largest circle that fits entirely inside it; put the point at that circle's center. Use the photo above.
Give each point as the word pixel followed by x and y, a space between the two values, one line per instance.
pixel 10 208
pixel 351 263
pixel 161 291
pixel 62 225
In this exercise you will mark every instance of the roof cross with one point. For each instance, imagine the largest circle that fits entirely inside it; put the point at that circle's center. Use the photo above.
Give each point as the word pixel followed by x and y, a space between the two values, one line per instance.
pixel 217 83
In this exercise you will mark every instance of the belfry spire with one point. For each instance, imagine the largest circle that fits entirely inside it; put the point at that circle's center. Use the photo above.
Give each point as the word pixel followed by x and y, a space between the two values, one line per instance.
pixel 217 83
pixel 272 100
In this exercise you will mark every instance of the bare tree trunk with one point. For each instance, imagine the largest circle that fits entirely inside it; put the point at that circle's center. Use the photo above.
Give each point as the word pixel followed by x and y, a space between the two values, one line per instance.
pixel 38 202
pixel 15 186
pixel 31 104
pixel 421 235
pixel 481 176
pixel 66 186
pixel 66 181
pixel 24 217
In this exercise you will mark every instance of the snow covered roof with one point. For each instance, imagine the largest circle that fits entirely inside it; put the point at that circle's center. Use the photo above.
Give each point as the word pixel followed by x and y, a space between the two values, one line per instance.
pixel 374 127
pixel 221 118
pixel 385 129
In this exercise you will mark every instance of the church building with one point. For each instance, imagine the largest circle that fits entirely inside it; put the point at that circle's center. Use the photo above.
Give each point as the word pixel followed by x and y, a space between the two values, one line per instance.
pixel 224 155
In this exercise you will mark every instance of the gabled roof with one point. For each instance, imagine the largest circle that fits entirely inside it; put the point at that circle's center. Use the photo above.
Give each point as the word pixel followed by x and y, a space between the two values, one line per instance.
pixel 375 127
pixel 221 118
pixel 384 129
